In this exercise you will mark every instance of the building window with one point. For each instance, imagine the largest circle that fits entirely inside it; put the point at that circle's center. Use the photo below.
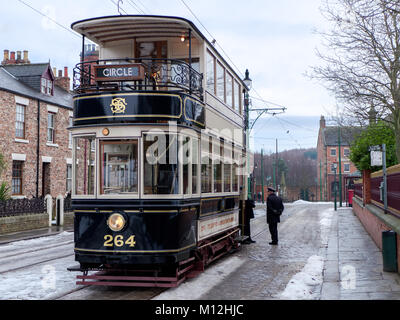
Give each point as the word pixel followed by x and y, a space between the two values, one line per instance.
pixel 69 178
pixel 70 133
pixel 20 122
pixel 346 167
pixel 333 152
pixel 46 86
pixel 50 127
pixel 346 152
pixel 16 185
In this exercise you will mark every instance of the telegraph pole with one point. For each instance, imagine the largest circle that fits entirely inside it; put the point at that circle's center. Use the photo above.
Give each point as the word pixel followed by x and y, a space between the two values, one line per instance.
pixel 340 171
pixel 262 175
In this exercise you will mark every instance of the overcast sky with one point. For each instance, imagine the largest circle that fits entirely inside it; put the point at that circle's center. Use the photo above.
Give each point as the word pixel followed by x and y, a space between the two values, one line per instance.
pixel 273 39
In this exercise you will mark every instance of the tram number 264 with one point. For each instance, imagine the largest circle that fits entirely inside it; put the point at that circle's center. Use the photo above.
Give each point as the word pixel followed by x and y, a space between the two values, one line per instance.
pixel 118 241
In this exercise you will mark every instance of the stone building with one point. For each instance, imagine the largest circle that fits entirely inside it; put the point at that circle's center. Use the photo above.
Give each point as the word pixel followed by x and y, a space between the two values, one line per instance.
pixel 328 154
pixel 35 112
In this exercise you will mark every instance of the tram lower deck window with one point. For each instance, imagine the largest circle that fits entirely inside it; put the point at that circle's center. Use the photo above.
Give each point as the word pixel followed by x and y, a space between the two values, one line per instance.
pixel 119 167
pixel 161 175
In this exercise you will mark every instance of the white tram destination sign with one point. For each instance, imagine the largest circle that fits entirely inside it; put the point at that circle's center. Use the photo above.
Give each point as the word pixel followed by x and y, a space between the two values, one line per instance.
pixel 119 72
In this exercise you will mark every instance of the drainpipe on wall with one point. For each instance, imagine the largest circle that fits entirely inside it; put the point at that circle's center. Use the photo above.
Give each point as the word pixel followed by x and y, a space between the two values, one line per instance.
pixel 38 149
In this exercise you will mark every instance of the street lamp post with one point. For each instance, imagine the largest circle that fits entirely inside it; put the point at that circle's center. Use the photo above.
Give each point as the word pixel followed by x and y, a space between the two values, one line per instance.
pixel 334 167
pixel 247 81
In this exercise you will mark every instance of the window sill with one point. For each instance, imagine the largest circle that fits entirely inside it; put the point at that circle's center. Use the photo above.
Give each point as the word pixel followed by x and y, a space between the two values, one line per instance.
pixel 21 140
pixel 18 197
pixel 52 144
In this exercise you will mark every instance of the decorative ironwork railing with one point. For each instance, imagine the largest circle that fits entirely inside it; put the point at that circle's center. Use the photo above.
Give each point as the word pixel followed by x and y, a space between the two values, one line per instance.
pixel 15 207
pixel 159 74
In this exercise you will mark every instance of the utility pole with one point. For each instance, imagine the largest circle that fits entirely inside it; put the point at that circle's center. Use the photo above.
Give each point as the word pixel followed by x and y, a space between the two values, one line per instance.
pixel 262 175
pixel 340 170
pixel 276 171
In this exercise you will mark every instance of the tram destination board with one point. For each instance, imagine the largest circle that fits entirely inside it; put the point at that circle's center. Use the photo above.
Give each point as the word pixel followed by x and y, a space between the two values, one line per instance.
pixel 119 72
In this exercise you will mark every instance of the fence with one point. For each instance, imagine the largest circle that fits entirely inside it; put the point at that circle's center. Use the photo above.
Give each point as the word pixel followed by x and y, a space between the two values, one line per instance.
pixel 393 190
pixel 14 207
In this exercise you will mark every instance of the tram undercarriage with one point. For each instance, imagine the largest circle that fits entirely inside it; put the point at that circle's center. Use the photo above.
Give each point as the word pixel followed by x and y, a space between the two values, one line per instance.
pixel 173 275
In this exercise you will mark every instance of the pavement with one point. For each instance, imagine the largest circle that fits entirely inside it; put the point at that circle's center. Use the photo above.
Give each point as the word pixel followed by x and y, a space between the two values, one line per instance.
pixel 353 268
pixel 31 234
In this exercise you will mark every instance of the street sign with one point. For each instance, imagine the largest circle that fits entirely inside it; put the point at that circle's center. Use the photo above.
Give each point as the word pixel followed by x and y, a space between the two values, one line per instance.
pixel 376 158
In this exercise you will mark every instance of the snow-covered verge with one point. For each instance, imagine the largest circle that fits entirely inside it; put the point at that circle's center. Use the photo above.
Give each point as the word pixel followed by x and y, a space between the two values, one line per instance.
pixel 306 283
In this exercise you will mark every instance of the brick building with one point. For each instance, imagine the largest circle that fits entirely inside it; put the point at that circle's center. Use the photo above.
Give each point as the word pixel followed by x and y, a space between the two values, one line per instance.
pixel 328 154
pixel 35 112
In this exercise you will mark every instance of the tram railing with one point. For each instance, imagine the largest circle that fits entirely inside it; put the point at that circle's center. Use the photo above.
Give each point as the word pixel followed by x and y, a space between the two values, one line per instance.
pixel 159 75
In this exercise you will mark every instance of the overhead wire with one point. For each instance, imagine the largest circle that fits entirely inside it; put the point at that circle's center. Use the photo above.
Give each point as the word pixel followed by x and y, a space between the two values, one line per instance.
pixel 51 19
pixel 135 6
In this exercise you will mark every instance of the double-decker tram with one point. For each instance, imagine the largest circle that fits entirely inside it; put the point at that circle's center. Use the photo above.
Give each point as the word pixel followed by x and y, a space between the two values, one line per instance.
pixel 158 142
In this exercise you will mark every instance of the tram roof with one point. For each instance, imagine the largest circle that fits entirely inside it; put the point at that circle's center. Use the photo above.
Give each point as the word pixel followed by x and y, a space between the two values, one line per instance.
pixel 105 29
pixel 123 27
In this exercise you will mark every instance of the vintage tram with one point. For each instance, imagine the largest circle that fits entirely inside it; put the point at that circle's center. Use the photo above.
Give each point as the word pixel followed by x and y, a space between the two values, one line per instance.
pixel 158 151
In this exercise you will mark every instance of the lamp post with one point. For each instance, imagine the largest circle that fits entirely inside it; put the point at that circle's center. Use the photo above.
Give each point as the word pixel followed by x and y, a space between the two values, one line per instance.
pixel 247 81
pixel 334 167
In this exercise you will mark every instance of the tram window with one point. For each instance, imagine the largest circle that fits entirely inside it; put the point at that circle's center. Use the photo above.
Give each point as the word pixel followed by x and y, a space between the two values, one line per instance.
pixel 217 167
pixel 84 166
pixel 210 73
pixel 119 167
pixel 186 161
pixel 229 90
pixel 236 96
pixel 206 165
pixel 220 82
pixel 195 165
pixel 161 175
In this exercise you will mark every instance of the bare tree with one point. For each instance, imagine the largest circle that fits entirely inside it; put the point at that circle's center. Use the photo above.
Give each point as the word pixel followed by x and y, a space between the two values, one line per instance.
pixel 362 60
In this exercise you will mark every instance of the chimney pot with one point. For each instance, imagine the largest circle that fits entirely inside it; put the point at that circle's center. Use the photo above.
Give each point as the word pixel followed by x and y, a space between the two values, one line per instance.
pixel 66 72
pixel 55 71
pixel 12 58
pixel 26 59
pixel 6 57
pixel 19 56
pixel 60 73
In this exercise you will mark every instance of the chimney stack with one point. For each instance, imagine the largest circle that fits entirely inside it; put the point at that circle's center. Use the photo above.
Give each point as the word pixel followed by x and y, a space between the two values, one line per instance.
pixel 63 81
pixel 26 59
pixel 6 57
pixel 322 123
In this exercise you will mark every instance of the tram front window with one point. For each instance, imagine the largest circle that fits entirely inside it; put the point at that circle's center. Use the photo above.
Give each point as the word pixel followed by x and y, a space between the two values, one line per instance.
pixel 119 167
pixel 84 152
pixel 160 164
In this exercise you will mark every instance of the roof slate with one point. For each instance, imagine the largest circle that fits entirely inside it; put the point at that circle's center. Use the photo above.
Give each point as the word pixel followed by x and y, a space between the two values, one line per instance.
pixel 347 135
pixel 10 82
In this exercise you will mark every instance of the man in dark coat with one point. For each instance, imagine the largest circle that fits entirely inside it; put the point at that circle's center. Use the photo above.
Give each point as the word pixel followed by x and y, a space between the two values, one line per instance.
pixel 248 214
pixel 274 210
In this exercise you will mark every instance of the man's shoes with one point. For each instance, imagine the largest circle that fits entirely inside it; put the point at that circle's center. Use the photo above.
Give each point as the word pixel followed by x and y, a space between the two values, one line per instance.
pixel 273 243
pixel 248 241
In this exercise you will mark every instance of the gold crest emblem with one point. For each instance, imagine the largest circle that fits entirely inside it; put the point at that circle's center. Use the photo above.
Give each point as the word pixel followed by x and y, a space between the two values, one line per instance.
pixel 118 105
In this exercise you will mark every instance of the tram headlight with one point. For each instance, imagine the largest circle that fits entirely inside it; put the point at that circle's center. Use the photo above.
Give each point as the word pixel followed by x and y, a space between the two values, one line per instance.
pixel 116 222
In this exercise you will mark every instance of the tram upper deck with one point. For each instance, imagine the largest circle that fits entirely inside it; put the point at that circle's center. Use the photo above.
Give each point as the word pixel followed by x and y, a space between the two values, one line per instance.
pixel 163 68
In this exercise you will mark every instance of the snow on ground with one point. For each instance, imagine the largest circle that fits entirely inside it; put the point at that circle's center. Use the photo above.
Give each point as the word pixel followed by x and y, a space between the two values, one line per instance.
pixel 193 289
pixel 41 281
pixel 305 284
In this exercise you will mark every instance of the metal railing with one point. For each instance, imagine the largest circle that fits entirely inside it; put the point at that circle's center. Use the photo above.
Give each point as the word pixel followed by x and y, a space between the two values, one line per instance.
pixel 15 207
pixel 159 74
